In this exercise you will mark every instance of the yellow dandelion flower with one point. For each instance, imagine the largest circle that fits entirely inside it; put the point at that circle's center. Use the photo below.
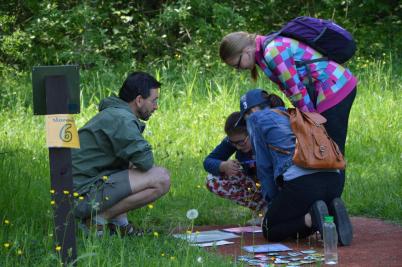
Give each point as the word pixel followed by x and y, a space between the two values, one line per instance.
pixel 257 185
pixel 198 186
pixel 81 198
pixel 6 245
pixel 66 192
pixel 172 257
pixel 150 206
pixel 52 191
pixel 52 202
pixel 6 221
pixel 75 194
pixel 163 254
pixel 19 252
pixel 188 232
pixel 105 178
pixel 58 248
pixel 197 232
pixel 156 234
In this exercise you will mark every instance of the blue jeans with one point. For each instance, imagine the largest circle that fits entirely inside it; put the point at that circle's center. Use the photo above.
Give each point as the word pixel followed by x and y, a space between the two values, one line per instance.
pixel 337 123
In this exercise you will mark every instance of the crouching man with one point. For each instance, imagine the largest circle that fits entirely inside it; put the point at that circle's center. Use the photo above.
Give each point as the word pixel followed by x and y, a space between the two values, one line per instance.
pixel 113 171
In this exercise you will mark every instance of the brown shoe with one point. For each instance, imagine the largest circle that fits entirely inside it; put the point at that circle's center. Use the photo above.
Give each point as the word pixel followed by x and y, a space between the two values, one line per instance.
pixel 99 228
pixel 128 230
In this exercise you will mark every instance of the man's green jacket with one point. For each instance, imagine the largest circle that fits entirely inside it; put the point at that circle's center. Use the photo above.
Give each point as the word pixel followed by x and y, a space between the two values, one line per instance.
pixel 109 142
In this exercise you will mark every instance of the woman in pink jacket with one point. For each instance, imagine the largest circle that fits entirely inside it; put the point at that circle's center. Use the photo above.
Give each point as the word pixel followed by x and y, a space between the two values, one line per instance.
pixel 334 85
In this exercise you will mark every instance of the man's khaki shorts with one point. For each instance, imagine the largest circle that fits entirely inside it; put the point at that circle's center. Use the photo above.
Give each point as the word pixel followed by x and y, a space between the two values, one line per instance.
pixel 103 195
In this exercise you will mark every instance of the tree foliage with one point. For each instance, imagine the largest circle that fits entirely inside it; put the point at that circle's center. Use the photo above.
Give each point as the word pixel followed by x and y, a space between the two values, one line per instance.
pixel 98 32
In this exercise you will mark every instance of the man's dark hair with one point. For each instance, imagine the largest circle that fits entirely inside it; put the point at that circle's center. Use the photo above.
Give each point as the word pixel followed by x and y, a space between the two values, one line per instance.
pixel 232 128
pixel 138 83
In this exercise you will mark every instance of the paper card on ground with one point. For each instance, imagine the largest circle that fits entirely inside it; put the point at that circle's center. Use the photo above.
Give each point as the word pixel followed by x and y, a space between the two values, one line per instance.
pixel 266 248
pixel 206 236
pixel 244 229
pixel 211 244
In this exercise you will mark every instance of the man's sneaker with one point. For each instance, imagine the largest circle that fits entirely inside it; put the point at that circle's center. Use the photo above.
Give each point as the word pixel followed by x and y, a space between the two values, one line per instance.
pixel 342 221
pixel 317 212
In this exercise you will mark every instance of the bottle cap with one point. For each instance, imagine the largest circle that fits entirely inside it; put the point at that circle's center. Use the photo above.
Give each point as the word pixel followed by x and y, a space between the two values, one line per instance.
pixel 329 219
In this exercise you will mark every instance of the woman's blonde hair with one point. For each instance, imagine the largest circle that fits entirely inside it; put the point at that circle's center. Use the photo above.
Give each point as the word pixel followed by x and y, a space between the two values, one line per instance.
pixel 233 45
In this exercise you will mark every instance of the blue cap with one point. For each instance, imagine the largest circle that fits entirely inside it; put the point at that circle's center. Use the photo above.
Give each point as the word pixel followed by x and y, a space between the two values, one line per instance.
pixel 251 99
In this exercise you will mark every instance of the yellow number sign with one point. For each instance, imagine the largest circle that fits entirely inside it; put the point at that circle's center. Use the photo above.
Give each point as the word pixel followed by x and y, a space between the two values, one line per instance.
pixel 61 131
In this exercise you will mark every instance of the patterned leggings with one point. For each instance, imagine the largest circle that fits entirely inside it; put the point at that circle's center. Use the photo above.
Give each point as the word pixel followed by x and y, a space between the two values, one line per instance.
pixel 241 189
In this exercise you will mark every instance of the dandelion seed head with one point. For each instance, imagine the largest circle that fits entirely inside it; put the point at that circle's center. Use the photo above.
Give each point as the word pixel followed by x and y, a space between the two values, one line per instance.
pixel 199 260
pixel 192 214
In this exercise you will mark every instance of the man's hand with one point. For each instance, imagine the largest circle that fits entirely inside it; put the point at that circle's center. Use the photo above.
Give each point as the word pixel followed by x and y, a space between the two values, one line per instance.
pixel 230 167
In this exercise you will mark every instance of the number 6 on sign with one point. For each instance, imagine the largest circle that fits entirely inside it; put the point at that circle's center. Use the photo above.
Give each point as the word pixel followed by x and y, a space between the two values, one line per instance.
pixel 61 131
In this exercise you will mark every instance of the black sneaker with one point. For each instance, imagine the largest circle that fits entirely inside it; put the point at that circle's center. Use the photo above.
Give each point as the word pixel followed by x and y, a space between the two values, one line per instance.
pixel 342 221
pixel 317 212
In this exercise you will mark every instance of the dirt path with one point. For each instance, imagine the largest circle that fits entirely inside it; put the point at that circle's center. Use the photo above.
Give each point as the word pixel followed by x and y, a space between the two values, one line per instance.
pixel 375 243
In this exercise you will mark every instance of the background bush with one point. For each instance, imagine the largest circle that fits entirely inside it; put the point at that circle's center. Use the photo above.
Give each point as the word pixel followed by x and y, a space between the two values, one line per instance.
pixel 95 33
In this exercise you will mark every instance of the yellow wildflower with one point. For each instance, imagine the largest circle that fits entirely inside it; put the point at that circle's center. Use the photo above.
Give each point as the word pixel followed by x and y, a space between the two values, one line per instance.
pixel 6 221
pixel 257 185
pixel 6 245
pixel 150 206
pixel 81 198
pixel 75 194
pixel 66 192
pixel 52 202
pixel 156 234
pixel 52 191
pixel 105 178
pixel 58 248
pixel 188 232
pixel 163 254
pixel 172 257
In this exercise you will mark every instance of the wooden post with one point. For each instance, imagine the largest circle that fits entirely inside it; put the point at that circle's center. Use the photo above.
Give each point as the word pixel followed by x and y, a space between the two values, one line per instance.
pixel 57 97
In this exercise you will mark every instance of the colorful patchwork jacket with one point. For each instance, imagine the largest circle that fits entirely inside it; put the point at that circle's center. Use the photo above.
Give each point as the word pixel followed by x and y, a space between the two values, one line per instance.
pixel 332 81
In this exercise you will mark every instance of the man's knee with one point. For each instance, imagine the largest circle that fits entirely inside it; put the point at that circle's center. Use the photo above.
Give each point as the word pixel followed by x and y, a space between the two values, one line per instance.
pixel 162 180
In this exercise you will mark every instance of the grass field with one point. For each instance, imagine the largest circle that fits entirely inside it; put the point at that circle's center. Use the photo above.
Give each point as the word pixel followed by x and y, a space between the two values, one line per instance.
pixel 188 124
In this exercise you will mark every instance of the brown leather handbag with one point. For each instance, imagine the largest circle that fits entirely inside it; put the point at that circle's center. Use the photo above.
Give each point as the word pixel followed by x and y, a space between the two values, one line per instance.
pixel 314 148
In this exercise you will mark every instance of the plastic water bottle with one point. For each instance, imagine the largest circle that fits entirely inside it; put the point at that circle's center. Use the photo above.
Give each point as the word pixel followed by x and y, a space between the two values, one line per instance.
pixel 330 241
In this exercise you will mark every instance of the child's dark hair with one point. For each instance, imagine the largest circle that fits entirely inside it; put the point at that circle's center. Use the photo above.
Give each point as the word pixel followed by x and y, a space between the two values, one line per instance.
pixel 273 101
pixel 138 83
pixel 232 128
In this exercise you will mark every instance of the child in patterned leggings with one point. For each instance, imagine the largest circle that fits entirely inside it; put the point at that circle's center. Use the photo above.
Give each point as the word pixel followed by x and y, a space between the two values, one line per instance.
pixel 235 179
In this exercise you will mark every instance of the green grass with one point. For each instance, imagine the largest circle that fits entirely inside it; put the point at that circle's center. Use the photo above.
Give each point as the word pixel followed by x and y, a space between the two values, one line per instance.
pixel 188 124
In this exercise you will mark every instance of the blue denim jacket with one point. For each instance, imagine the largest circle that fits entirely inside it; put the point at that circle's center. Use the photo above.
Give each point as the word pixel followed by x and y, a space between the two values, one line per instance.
pixel 265 128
